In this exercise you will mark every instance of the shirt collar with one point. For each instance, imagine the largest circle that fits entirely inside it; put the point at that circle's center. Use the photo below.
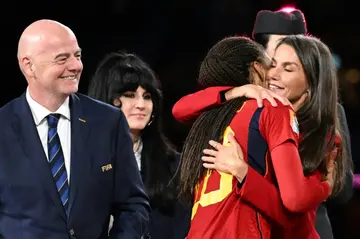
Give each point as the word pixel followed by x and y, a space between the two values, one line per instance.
pixel 39 112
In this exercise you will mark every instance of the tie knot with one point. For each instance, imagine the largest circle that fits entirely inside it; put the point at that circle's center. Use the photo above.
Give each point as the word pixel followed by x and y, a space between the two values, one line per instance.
pixel 53 120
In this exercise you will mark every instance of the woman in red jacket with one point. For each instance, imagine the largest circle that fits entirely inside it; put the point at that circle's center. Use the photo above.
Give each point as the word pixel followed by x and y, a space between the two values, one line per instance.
pixel 299 57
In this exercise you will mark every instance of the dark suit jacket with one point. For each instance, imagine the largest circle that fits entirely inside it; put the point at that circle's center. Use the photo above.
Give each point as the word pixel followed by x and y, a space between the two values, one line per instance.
pixel 30 207
pixel 323 225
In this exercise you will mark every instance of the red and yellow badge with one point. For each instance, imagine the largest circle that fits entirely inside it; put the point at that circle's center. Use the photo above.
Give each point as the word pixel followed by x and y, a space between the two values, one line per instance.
pixel 294 122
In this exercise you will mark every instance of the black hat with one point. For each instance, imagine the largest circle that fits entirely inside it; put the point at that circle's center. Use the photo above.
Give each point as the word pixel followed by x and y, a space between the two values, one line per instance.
pixel 280 22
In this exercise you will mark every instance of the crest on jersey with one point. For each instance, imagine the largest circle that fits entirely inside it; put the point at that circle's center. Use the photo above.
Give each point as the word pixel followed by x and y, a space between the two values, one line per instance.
pixel 294 122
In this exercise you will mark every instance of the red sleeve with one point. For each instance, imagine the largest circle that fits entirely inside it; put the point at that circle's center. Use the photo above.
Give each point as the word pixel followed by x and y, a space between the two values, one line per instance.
pixel 255 188
pixel 297 194
pixel 280 129
pixel 189 107
pixel 278 125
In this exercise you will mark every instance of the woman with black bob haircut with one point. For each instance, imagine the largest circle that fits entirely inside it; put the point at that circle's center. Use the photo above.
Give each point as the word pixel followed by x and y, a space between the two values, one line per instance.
pixel 127 82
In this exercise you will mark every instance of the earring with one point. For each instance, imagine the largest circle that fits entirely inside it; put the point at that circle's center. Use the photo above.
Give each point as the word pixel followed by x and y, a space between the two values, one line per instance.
pixel 151 120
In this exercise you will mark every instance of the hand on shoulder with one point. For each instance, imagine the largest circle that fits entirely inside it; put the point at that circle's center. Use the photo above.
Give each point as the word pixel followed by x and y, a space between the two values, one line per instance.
pixel 256 92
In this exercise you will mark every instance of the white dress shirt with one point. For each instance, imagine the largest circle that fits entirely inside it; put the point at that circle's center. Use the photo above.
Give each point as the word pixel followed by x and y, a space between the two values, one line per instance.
pixel 64 129
pixel 138 154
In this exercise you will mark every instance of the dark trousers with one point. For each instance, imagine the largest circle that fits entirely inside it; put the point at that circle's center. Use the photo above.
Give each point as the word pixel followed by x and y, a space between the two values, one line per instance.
pixel 323 225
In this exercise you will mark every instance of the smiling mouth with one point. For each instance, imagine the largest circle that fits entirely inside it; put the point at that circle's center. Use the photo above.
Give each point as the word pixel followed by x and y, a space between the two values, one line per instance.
pixel 68 77
pixel 275 87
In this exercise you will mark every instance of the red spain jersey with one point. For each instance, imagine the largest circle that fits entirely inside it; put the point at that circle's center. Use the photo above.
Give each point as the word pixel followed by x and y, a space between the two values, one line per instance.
pixel 218 212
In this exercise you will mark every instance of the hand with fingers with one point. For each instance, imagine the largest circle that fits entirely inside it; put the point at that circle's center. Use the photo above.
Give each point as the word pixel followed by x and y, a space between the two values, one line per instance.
pixel 256 92
pixel 226 158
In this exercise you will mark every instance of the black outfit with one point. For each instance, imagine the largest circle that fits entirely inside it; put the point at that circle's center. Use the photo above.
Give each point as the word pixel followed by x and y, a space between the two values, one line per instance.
pixel 280 23
pixel 168 222
pixel 325 225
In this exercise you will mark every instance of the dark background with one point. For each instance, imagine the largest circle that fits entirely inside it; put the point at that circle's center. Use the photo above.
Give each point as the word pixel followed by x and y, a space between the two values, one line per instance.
pixel 173 36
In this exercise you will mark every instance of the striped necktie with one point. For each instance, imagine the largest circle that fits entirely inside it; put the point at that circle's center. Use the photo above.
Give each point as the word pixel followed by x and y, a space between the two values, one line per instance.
pixel 56 160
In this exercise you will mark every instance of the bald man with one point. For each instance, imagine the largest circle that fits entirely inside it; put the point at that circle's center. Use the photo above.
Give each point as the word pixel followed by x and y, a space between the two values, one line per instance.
pixel 66 160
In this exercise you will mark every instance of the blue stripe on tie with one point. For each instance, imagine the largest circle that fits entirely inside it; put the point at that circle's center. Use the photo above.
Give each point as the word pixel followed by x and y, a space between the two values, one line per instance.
pixel 56 160
pixel 61 180
pixel 57 166
pixel 53 150
pixel 52 132
pixel 65 196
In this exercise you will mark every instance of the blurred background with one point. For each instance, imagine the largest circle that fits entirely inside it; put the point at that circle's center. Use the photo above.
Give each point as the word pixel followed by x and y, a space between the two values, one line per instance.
pixel 173 36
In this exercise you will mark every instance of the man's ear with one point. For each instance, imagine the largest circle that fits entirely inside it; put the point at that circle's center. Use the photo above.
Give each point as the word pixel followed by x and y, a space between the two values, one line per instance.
pixel 26 66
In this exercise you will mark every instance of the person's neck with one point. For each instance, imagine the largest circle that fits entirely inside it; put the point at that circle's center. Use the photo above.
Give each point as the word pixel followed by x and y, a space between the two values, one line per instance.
pixel 300 101
pixel 297 105
pixel 50 102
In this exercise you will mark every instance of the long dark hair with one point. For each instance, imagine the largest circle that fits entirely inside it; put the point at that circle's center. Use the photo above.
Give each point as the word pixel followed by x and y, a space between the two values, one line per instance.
pixel 228 63
pixel 121 72
pixel 318 116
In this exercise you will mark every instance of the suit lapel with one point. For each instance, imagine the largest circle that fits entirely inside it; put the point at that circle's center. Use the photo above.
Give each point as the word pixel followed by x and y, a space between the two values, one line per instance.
pixel 80 162
pixel 25 128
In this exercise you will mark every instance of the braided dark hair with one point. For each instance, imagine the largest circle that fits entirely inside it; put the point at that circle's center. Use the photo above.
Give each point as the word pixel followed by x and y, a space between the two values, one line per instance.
pixel 228 63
